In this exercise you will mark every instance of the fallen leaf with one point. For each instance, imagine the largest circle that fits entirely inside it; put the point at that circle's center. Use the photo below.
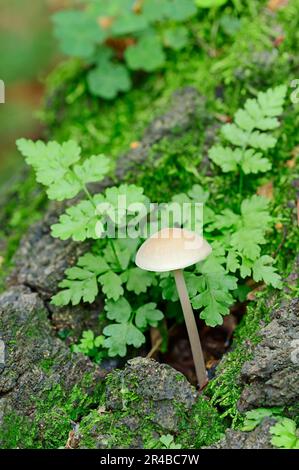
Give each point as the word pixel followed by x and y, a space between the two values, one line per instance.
pixel 275 5
pixel 266 190
pixel 156 341
pixel 291 163
pixel 105 21
pixel 279 226
pixel 212 363
pixel 135 145
pixel 279 40
pixel 223 117
pixel 252 294
pixel 137 7
pixel 119 45
pixel 73 440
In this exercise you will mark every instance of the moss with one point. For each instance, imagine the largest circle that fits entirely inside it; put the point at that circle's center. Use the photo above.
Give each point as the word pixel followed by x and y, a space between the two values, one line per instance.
pixel 46 364
pixel 22 203
pixel 172 165
pixel 53 415
pixel 202 426
pixel 105 430
pixel 225 389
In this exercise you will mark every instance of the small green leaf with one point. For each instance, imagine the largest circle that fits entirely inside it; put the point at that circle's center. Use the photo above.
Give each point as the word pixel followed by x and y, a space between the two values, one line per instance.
pixel 93 169
pixel 261 140
pixel 248 242
pixel 108 79
pixel 77 32
pixel 235 135
pixel 263 270
pixel 148 315
pixel 285 434
pixel 52 163
pixel 119 336
pixel 78 223
pixel 169 291
pixel 176 38
pixel 253 162
pixel 198 193
pixel 120 310
pixel 81 281
pixel 210 3
pixel 146 55
pixel 138 280
pixel 255 213
pixel 93 263
pixel 129 23
pixel 272 100
pixel 179 10
pixel 111 285
pixel 232 262
pixel 214 298
pixel 225 157
pixel 75 291
pixel 255 417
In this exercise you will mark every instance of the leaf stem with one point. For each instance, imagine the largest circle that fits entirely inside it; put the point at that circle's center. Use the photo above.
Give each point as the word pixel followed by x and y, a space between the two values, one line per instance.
pixel 89 196
pixel 85 189
pixel 115 254
pixel 241 178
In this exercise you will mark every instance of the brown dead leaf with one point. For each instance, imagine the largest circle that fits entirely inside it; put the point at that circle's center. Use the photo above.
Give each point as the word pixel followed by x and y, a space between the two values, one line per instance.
pixel 266 190
pixel 211 363
pixel 223 117
pixel 291 163
pixel 252 294
pixel 279 226
pixel 135 145
pixel 279 40
pixel 119 45
pixel 275 5
pixel 105 21
pixel 73 440
pixel 156 341
pixel 137 7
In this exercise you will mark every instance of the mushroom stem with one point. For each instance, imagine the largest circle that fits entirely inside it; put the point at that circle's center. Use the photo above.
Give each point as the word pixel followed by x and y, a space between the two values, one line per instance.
pixel 197 353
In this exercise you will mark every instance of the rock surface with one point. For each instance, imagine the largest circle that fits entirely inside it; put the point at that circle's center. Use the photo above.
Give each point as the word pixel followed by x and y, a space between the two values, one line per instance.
pixel 259 438
pixel 159 387
pixel 144 400
pixel 35 363
pixel 271 378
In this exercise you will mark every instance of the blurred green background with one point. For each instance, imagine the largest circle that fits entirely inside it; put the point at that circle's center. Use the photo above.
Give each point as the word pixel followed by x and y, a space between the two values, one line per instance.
pixel 27 52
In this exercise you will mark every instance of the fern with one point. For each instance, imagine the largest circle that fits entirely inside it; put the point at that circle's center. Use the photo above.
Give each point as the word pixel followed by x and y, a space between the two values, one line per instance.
pixel 60 167
pixel 250 135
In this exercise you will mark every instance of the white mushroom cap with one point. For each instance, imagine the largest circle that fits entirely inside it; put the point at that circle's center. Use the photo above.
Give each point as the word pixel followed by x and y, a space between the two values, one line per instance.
pixel 171 249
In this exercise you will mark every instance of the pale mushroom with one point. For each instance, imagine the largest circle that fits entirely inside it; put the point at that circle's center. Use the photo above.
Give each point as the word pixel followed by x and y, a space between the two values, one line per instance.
pixel 173 249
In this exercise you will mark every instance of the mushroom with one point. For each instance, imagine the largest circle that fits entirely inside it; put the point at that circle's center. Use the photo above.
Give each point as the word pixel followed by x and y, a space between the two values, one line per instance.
pixel 173 249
